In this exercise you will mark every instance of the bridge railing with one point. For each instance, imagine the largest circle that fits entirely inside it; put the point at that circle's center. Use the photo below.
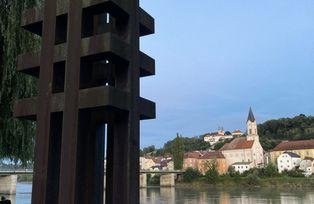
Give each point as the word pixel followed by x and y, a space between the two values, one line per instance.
pixel 30 171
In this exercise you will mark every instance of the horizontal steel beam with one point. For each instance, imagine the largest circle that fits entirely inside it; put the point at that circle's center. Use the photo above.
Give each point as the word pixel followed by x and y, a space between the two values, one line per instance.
pixel 32 18
pixel 98 98
pixel 104 46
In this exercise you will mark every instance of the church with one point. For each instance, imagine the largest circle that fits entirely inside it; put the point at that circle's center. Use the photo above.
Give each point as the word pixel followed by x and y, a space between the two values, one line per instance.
pixel 245 149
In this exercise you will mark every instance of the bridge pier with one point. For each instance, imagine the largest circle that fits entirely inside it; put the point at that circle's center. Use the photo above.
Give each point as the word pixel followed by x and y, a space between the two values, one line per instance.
pixel 167 180
pixel 143 180
pixel 8 184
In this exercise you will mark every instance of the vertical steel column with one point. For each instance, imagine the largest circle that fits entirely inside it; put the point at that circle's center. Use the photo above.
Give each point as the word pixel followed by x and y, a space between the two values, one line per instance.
pixel 41 188
pixel 122 179
pixel 69 148
pixel 68 166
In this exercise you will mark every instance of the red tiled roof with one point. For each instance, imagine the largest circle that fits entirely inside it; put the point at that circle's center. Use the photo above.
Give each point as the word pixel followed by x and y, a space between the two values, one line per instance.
pixel 293 145
pixel 238 143
pixel 194 155
pixel 212 155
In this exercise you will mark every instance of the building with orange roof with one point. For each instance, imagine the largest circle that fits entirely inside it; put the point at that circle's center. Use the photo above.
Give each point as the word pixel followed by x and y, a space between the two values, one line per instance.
pixel 304 148
pixel 201 160
pixel 245 149
pixel 213 157
pixel 191 159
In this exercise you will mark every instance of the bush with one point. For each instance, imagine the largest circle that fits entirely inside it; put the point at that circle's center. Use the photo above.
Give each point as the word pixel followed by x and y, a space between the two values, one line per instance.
pixel 212 174
pixel 252 180
pixel 191 174
pixel 293 173
pixel 232 172
pixel 270 171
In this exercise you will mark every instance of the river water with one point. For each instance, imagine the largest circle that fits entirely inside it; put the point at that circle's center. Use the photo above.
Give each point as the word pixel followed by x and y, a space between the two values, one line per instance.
pixel 200 196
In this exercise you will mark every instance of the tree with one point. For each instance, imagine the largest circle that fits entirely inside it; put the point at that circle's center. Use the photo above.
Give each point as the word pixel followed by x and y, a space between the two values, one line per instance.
pixel 147 150
pixel 178 152
pixel 16 136
pixel 270 170
pixel 191 174
pixel 212 174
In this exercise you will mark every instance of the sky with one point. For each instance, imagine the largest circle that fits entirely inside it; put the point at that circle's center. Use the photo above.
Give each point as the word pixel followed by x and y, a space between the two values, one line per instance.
pixel 217 58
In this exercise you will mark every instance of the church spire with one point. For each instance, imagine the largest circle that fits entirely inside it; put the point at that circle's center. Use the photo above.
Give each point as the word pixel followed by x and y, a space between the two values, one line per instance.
pixel 250 116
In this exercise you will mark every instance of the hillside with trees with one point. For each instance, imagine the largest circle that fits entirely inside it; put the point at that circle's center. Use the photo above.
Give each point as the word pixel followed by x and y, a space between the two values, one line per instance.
pixel 272 132
pixel 189 144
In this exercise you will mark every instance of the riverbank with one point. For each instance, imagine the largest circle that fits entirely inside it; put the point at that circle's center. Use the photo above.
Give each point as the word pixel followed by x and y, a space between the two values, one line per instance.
pixel 250 182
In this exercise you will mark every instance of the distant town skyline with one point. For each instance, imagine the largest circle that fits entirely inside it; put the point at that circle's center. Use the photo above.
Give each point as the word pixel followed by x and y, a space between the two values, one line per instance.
pixel 215 59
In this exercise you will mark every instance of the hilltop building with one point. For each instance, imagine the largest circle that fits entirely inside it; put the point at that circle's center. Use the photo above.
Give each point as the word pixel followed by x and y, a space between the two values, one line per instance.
pixel 245 149
pixel 237 133
pixel 304 148
pixel 215 137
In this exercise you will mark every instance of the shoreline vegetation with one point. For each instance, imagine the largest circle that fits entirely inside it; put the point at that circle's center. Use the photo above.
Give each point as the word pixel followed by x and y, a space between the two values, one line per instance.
pixel 253 178
pixel 247 182
pixel 256 177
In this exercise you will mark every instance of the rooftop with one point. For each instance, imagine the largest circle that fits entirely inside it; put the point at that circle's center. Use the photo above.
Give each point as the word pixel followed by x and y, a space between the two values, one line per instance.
pixel 241 163
pixel 251 116
pixel 238 143
pixel 294 145
pixel 291 154
pixel 212 155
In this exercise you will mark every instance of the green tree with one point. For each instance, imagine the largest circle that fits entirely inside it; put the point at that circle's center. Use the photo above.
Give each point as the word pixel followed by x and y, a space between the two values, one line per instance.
pixel 178 152
pixel 212 174
pixel 191 174
pixel 270 170
pixel 16 136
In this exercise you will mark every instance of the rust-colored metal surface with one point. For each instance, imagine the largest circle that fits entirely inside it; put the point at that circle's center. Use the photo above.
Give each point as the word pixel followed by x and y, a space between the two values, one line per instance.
pixel 88 68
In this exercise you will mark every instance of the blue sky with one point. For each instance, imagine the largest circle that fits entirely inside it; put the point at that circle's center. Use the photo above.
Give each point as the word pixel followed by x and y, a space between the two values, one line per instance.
pixel 216 58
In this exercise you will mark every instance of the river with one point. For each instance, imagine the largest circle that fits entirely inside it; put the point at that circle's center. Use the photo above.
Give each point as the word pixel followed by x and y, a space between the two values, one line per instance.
pixel 199 196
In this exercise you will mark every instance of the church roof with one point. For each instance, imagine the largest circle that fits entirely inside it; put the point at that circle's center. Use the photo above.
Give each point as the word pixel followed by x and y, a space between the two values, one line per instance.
pixel 294 145
pixel 238 143
pixel 250 117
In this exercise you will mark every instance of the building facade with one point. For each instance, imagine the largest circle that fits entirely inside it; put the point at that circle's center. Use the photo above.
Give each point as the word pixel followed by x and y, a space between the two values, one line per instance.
pixel 214 157
pixel 304 148
pixel 245 149
pixel 288 161
pixel 242 166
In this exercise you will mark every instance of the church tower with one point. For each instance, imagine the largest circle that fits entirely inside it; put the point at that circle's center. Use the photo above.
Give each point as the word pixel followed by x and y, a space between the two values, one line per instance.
pixel 251 127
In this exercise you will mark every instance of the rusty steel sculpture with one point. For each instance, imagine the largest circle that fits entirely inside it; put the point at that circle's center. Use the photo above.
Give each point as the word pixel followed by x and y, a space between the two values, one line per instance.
pixel 89 70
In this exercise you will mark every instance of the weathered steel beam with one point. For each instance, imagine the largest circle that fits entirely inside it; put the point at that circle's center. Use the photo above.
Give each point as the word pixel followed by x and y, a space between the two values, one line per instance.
pixel 100 47
pixel 44 188
pixel 147 23
pixel 28 63
pixel 99 98
pixel 89 70
pixel 32 18
pixel 70 148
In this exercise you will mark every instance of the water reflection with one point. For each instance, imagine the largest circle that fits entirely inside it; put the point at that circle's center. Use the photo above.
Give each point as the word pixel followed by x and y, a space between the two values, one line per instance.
pixel 226 196
pixel 202 196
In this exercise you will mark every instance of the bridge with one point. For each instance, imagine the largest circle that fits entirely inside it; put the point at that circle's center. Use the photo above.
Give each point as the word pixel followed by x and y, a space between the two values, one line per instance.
pixel 8 178
pixel 30 172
